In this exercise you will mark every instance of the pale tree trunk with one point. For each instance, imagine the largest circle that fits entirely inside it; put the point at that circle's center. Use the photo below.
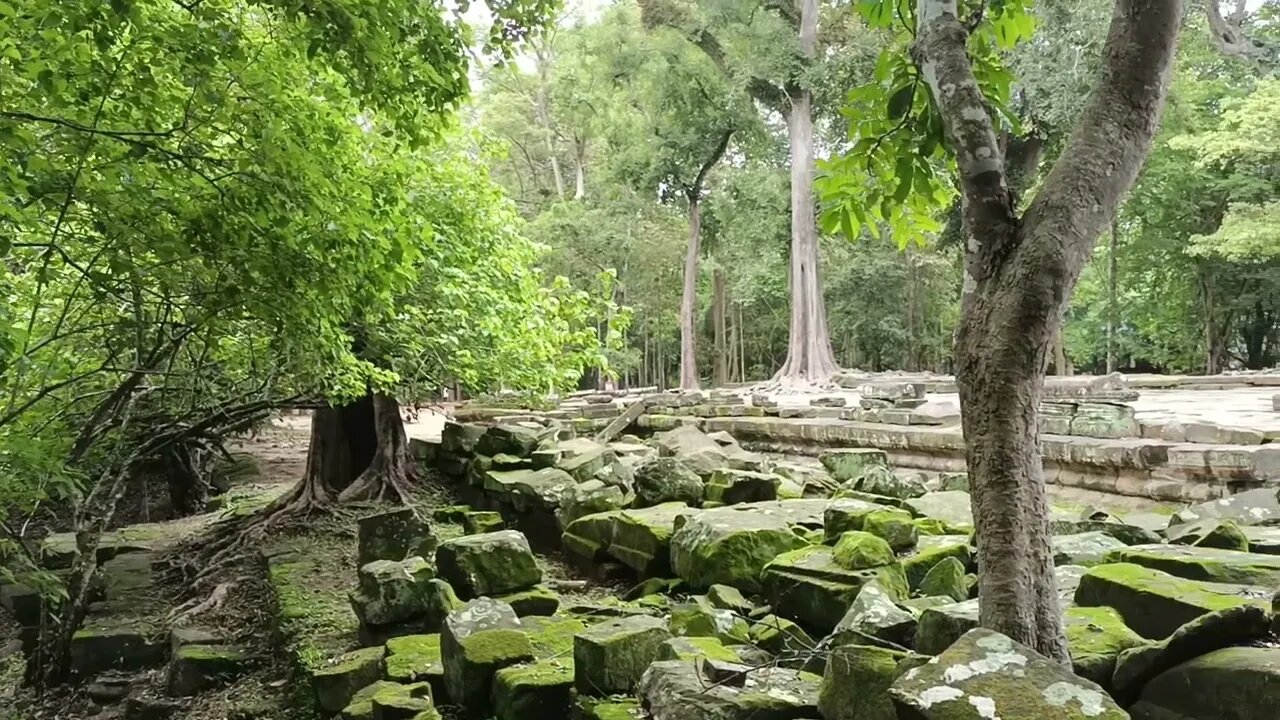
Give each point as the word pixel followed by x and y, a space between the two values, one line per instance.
pixel 1019 273
pixel 742 347
pixel 1113 310
pixel 720 363
pixel 580 167
pixel 809 354
pixel 689 301
pixel 543 114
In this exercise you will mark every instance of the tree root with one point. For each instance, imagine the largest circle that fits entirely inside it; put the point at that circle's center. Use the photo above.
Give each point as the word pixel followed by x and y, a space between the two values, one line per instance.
pixel 193 607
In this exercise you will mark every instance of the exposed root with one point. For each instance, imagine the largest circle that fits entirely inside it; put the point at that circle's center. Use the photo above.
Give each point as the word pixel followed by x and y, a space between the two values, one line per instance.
pixel 193 607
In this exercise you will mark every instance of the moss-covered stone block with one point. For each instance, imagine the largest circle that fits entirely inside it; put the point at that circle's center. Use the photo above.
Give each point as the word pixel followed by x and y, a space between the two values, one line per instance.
pixel 392 590
pixel 508 438
pixel 846 463
pixel 875 614
pixel 700 618
pixel 807 586
pixel 952 507
pixel 336 684
pixel 780 636
pixel 386 699
pixel 730 598
pixel 116 645
pixel 729 487
pixel 665 479
pixel 1245 680
pixel 730 547
pixel 416 658
pixel 552 636
pixel 941 626
pixel 693 648
pixel 1096 637
pixel 488 564
pixel 469 673
pixel 610 657
pixel 946 579
pixel 893 526
pixel 987 675
pixel 194 668
pixel 476 522
pixel 1204 563
pixel 588 708
pixel 394 535
pixel 537 600
pixel 678 689
pixel 1155 604
pixel 856 681
pixel 1087 549
pixel 881 481
pixel 542 689
pixel 856 550
pixel 932 550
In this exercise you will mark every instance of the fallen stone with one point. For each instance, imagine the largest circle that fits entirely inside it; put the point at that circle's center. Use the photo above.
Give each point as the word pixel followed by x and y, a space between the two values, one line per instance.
pixel 475 522
pixel 730 598
pixel 1264 540
pixel 941 626
pixel 699 618
pixel 416 658
pixel 1201 563
pixel 1067 580
pixel 394 535
pixel 638 538
pixel 195 668
pixel 781 637
pixel 619 708
pixel 611 656
pixel 931 550
pixel 951 507
pixel 469 664
pixel 985 675
pixel 730 487
pixel 806 585
pixel 508 438
pixel 694 648
pixel 702 454
pixel 856 682
pixel 1155 604
pixel 588 498
pixel 392 590
pixel 336 684
pixel 385 695
pixel 676 690
pixel 856 550
pixel 1213 533
pixel 1251 507
pixel 1213 631
pixel 875 613
pixel 846 514
pixel 488 564
pixel 845 464
pixel 1244 681
pixel 1125 533
pixel 542 689
pixel 880 480
pixel 894 526
pixel 666 479
pixel 1097 636
pixel 115 645
pixel 537 600
pixel 731 546
pixel 110 687
pixel 1085 549
pixel 946 579
pixel 461 438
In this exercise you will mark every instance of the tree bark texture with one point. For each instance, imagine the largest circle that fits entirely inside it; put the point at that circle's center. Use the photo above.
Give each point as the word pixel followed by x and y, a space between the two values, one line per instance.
pixel 809 354
pixel 720 363
pixel 689 301
pixel 1113 300
pixel 1019 273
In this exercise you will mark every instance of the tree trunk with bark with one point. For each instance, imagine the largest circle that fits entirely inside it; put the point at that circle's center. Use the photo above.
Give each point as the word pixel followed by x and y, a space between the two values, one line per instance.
pixel 1019 273
pixel 1113 300
pixel 720 363
pixel 689 301
pixel 809 355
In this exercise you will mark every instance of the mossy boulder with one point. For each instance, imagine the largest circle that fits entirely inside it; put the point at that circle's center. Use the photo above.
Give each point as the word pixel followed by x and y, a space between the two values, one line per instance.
pixel 677 690
pixel 1155 604
pixel 985 675
pixel 1085 549
pixel 469 666
pixel 806 585
pixel 1096 637
pixel 666 479
pixel 727 597
pixel 931 550
pixel 336 684
pixel 951 507
pixel 582 458
pixel 619 708
pixel 537 600
pixel 394 535
pixel 461 438
pixel 388 699
pixel 610 657
pixel 508 438
pixel 1244 681
pixel 115 645
pixel 1204 563
pixel 588 498
pixel 846 463
pixel 874 613
pixel 392 591
pixel 541 689
pixel 638 538
pixel 488 564
pixel 857 550
pixel 941 626
pixel 946 579
pixel 475 522
pixel 1223 628
pixel 894 526
pixel 730 487
pixel 856 681
pixel 1124 532
pixel 845 514
pixel 699 618
pixel 416 658
pixel 881 480
pixel 194 668
pixel 1220 534
pixel 730 547
pixel 693 648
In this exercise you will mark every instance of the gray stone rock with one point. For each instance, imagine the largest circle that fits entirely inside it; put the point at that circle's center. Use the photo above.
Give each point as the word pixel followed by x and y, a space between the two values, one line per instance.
pixel 1096 636
pixel 477 640
pixel 508 438
pixel 589 498
pixel 488 564
pixel 880 480
pixel 847 463
pixel 1251 507
pixel 677 690
pixel 1241 681
pixel 610 657
pixel 946 579
pixel 195 668
pixel 1202 563
pixel 985 675
pixel 732 545
pixel 394 535
pixel 856 682
pixel 951 507
pixel 874 612
pixel 338 682
pixel 392 591
pixel 1086 549
pixel 941 626
pixel 1211 533
pixel 666 479
pixel 807 586
pixel 730 487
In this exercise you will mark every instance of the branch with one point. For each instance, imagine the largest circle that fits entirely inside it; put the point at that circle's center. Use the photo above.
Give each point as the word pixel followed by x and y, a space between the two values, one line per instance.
pixel 1106 149
pixel 940 52
pixel 695 190
pixel 1228 33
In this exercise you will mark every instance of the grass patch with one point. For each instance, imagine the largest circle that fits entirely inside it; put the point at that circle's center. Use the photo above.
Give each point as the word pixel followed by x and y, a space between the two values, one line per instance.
pixel 310 575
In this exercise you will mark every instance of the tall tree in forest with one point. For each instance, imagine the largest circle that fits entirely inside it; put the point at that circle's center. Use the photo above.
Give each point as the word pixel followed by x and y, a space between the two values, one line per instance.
pixel 1020 266
pixel 782 86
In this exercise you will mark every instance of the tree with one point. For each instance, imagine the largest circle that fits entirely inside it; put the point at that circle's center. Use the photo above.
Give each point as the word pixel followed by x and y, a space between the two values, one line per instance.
pixel 1020 266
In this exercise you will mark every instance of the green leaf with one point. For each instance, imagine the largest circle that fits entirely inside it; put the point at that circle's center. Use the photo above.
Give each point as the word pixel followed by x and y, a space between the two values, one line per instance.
pixel 900 101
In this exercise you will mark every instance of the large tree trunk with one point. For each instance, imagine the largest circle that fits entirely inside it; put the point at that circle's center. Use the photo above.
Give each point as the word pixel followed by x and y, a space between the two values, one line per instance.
pixel 720 363
pixel 809 354
pixel 1019 273
pixel 689 301
pixel 390 471
pixel 543 115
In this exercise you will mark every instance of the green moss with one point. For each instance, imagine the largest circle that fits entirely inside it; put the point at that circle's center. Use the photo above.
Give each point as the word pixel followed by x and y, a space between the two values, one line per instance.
pixel 552 637
pixel 536 674
pixel 310 577
pixel 538 600
pixel 413 657
pixel 488 647
pixel 361 706
pixel 859 550
pixel 211 653
pixel 895 526
pixel 920 563
pixel 692 648
pixel 1096 637
pixel 946 578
